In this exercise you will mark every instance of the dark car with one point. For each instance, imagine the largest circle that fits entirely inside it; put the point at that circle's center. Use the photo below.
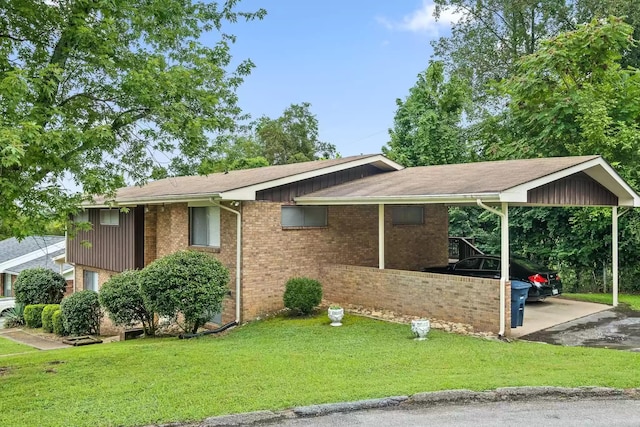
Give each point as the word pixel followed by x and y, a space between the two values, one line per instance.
pixel 545 282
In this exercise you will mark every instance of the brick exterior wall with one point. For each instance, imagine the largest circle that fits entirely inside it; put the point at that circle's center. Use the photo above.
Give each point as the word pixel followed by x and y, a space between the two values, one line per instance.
pixel 272 255
pixel 468 300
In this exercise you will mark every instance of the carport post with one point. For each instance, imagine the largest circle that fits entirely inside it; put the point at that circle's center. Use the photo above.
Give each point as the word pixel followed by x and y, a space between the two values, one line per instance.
pixel 614 255
pixel 381 236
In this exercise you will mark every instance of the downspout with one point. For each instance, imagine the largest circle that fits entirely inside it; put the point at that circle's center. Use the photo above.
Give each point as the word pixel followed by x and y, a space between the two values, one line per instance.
pixel 238 253
pixel 504 256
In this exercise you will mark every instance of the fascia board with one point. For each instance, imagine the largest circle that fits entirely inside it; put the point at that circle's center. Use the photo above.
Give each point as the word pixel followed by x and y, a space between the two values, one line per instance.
pixel 401 200
pixel 31 256
pixel 249 192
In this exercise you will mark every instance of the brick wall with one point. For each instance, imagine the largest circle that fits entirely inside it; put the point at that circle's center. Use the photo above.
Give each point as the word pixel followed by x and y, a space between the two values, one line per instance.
pixel 272 255
pixel 468 300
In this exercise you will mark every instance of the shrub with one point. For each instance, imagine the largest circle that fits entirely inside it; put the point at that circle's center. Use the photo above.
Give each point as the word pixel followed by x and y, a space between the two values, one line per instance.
pixel 187 282
pixel 122 300
pixel 47 316
pixel 33 315
pixel 82 313
pixel 14 317
pixel 58 323
pixel 39 286
pixel 302 294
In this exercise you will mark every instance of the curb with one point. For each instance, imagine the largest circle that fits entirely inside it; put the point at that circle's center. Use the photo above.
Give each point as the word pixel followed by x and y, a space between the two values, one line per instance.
pixel 446 397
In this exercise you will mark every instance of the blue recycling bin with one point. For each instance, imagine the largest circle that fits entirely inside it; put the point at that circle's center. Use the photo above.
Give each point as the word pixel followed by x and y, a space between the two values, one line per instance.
pixel 519 293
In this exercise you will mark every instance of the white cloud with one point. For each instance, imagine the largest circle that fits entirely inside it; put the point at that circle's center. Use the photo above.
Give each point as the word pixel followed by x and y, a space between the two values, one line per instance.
pixel 422 20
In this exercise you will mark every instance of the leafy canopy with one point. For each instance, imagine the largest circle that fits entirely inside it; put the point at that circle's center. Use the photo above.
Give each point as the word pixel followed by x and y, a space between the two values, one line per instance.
pixel 92 89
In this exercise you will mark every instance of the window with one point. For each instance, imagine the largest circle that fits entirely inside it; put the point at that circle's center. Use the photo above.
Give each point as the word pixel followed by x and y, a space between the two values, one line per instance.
pixel 109 217
pixel 90 279
pixel 82 216
pixel 304 216
pixel 6 285
pixel 407 215
pixel 204 226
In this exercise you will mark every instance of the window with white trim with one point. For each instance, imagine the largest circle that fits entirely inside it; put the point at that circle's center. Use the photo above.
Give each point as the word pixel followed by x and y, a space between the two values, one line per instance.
pixel 204 226
pixel 90 280
pixel 407 215
pixel 109 217
pixel 82 216
pixel 304 216
pixel 6 285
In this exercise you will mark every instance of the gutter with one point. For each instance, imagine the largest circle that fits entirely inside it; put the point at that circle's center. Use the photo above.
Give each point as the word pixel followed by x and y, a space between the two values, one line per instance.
pixel 504 256
pixel 238 253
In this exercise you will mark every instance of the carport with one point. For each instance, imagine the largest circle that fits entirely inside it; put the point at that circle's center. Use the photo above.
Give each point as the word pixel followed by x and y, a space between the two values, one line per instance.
pixel 494 186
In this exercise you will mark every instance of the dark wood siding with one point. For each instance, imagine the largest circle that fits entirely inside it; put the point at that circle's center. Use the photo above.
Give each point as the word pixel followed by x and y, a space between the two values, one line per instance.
pixel 575 190
pixel 288 192
pixel 110 247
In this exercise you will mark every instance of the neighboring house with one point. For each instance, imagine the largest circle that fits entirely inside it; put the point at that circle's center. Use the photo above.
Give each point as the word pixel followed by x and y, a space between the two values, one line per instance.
pixel 31 252
pixel 363 225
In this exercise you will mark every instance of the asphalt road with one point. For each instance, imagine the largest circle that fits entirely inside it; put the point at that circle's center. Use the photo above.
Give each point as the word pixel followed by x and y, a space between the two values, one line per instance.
pixel 566 413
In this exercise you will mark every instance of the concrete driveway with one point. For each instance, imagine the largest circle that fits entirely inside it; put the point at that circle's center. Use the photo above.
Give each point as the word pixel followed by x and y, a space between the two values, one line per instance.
pixel 554 311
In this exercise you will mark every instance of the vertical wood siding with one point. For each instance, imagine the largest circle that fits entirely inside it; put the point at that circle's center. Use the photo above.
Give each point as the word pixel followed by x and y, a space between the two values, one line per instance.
pixel 575 190
pixel 288 192
pixel 110 247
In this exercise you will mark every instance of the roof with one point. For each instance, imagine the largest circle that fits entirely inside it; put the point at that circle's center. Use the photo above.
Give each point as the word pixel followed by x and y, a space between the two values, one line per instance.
pixel 497 181
pixel 45 261
pixel 13 248
pixel 240 184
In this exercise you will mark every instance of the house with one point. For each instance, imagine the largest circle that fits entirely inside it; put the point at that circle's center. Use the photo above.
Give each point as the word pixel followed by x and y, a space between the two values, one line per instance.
pixel 31 252
pixel 362 225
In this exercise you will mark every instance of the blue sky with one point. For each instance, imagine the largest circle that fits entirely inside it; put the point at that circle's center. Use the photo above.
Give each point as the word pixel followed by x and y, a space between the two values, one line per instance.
pixel 350 59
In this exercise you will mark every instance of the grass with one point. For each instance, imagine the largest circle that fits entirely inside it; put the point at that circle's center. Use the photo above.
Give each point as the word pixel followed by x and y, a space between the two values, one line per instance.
pixel 11 347
pixel 277 364
pixel 633 301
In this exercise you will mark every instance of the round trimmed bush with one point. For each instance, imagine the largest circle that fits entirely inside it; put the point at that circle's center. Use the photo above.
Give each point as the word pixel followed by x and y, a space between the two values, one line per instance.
pixel 39 286
pixel 82 313
pixel 47 316
pixel 186 282
pixel 302 294
pixel 122 300
pixel 58 323
pixel 33 315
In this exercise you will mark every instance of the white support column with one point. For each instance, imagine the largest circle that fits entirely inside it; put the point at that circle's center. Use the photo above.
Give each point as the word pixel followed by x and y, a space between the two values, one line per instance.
pixel 504 263
pixel 614 254
pixel 381 236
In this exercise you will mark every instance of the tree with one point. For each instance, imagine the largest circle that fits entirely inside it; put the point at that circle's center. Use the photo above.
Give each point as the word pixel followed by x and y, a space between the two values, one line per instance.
pixel 292 137
pixel 92 89
pixel 427 127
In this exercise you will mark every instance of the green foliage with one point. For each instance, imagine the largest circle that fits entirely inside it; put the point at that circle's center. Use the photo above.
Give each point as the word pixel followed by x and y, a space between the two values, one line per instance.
pixel 122 299
pixel 14 317
pixel 39 286
pixel 47 316
pixel 33 315
pixel 82 314
pixel 427 123
pixel 302 294
pixel 58 323
pixel 187 283
pixel 94 89
pixel 292 137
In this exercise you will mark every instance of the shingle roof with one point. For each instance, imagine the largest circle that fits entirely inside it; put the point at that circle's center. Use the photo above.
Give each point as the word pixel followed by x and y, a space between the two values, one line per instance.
pixel 12 248
pixel 217 183
pixel 45 261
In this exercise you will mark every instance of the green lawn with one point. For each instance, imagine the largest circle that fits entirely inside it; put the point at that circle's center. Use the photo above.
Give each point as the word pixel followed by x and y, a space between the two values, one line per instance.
pixel 276 364
pixel 632 300
pixel 10 347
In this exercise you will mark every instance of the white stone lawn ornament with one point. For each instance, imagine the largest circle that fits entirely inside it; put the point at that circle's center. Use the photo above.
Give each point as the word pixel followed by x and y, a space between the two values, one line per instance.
pixel 336 313
pixel 420 329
